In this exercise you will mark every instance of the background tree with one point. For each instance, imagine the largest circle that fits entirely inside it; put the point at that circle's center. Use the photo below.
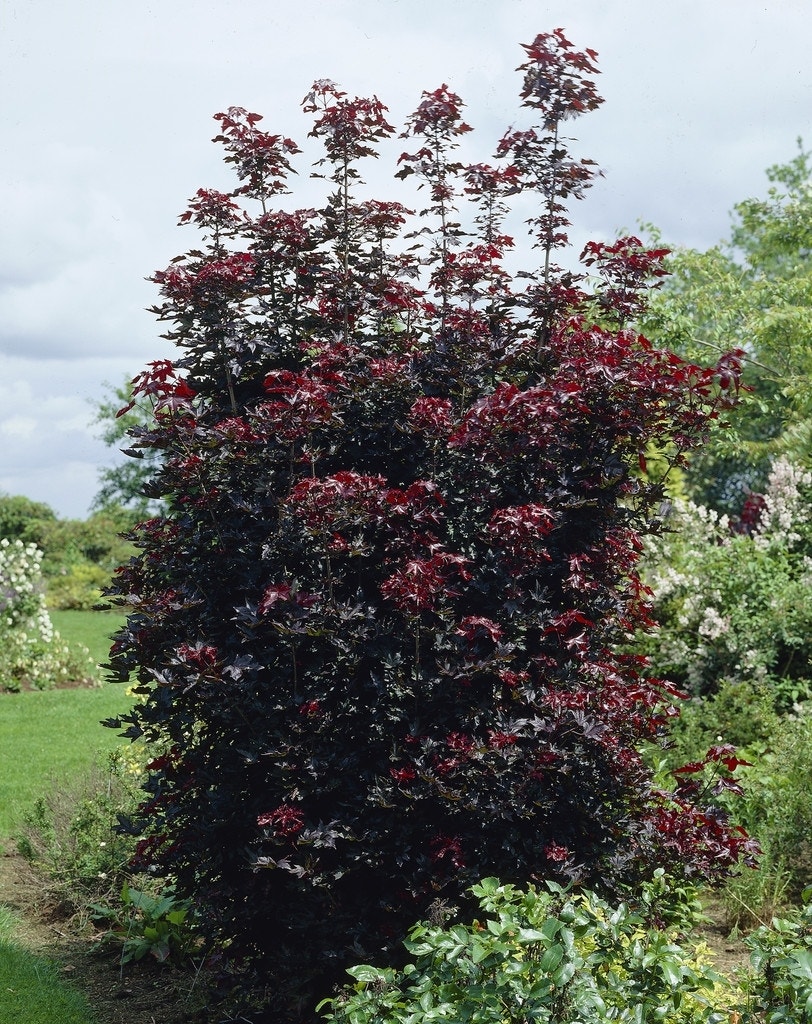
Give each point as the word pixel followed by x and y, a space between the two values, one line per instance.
pixel 122 484
pixel 754 292
pixel 24 519
pixel 78 556
pixel 375 626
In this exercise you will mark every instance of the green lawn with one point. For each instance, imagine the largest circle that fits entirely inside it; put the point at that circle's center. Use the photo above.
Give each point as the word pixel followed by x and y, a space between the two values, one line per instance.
pixel 49 738
pixel 31 991
pixel 93 629
pixel 51 735
pixel 55 734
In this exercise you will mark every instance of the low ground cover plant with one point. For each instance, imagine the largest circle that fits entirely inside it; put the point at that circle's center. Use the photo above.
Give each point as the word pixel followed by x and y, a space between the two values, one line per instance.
pixel 70 836
pixel 158 925
pixel 376 623
pixel 565 957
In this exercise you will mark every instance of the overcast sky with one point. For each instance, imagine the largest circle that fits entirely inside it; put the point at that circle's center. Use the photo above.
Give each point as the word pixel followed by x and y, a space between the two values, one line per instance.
pixel 105 115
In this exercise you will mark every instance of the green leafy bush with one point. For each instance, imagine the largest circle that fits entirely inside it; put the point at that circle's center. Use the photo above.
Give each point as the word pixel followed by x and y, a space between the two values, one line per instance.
pixel 753 290
pixel 78 556
pixel 733 600
pixel 740 712
pixel 779 988
pixel 776 807
pixel 541 954
pixel 81 556
pixel 78 586
pixel 144 923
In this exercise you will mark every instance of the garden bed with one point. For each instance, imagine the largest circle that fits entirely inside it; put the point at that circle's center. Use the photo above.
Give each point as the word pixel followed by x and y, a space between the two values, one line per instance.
pixel 144 992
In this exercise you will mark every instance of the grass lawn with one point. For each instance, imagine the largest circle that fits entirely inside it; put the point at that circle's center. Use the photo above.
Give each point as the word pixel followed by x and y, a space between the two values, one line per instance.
pixel 93 629
pixel 31 991
pixel 55 734
pixel 51 735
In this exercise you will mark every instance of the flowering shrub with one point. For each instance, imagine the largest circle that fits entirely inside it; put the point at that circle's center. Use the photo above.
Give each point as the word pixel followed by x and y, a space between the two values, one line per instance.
pixel 32 653
pixel 733 597
pixel 376 627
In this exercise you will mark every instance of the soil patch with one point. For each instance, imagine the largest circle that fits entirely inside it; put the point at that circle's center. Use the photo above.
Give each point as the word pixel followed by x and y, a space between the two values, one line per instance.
pixel 730 954
pixel 144 993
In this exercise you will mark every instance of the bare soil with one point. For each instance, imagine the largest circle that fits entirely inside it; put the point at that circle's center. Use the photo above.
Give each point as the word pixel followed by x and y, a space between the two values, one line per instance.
pixel 730 954
pixel 143 993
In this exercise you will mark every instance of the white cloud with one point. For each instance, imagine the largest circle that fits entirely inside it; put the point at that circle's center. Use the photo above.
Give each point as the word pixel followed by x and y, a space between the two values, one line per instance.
pixel 106 122
pixel 18 426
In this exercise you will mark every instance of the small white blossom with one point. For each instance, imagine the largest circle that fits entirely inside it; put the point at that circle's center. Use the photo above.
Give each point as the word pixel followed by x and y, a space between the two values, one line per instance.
pixel 713 625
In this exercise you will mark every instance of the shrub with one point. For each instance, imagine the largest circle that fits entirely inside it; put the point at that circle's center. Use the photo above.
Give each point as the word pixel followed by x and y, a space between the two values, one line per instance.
pixel 779 988
pixel 375 626
pixel 777 808
pixel 148 925
pixel 740 713
pixel 732 598
pixel 80 557
pixel 78 587
pixel 32 654
pixel 538 954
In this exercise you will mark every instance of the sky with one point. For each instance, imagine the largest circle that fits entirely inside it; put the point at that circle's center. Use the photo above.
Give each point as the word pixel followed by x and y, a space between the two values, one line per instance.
pixel 106 113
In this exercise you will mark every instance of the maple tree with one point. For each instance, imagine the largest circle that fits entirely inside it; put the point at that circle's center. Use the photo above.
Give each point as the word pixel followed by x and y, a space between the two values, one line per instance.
pixel 376 628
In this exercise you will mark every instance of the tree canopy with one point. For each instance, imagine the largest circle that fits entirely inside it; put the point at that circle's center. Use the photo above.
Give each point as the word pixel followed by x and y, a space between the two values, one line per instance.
pixel 752 291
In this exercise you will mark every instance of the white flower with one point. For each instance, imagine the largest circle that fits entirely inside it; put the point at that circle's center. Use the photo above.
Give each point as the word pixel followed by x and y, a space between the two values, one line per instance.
pixel 713 625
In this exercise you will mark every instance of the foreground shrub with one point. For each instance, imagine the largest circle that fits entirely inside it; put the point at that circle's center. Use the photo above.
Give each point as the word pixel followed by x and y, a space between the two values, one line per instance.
pixel 375 627
pixel 538 954
pixel 32 654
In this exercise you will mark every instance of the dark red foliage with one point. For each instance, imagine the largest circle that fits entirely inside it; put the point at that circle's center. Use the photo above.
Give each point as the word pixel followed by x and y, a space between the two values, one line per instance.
pixel 378 622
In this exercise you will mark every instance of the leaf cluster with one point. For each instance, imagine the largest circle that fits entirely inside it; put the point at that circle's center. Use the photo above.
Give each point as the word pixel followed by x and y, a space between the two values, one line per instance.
pixel 147 925
pixel 536 954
